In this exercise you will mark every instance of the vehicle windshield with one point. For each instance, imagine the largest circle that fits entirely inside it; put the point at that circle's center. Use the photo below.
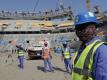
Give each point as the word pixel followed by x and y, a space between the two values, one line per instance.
pixel 37 46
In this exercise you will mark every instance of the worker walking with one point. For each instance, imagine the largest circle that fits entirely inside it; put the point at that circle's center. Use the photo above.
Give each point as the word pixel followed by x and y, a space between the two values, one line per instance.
pixel 46 54
pixel 66 56
pixel 91 60
pixel 20 51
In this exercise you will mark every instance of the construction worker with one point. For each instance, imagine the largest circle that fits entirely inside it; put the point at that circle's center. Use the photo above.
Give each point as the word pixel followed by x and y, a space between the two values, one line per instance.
pixel 20 51
pixel 59 50
pixel 9 57
pixel 66 56
pixel 91 59
pixel 46 55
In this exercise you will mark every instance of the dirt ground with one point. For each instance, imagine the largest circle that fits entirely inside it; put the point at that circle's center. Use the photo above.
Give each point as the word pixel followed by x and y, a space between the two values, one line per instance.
pixel 33 69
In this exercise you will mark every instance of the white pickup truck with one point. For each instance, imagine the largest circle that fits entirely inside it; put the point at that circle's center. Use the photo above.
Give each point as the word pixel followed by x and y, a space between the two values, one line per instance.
pixel 35 51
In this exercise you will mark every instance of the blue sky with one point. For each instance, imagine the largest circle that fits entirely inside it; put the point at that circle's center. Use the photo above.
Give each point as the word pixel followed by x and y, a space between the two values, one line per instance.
pixel 28 5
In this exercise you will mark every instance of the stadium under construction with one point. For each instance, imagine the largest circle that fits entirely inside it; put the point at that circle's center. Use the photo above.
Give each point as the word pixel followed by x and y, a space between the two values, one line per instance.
pixel 27 28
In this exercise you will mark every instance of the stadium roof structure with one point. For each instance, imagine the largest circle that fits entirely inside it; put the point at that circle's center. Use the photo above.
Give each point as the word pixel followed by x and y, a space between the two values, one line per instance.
pixel 47 15
pixel 66 23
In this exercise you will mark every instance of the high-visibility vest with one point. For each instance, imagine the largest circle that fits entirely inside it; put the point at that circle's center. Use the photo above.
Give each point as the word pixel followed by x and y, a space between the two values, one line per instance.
pixel 46 53
pixel 20 53
pixel 66 54
pixel 83 66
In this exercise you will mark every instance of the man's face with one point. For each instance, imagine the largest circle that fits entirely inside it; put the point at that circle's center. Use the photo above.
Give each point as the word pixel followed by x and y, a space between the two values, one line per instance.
pixel 46 45
pixel 86 32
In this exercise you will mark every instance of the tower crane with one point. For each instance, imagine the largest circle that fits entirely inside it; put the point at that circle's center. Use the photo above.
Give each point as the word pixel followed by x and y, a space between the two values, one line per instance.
pixel 61 4
pixel 96 9
pixel 88 5
pixel 36 5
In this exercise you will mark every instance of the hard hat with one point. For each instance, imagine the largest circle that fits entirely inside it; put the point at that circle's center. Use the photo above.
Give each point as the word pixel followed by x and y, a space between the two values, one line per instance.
pixel 85 17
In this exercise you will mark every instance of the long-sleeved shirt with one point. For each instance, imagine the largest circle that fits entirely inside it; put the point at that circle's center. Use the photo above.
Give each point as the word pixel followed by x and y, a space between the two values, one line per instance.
pixel 20 48
pixel 99 61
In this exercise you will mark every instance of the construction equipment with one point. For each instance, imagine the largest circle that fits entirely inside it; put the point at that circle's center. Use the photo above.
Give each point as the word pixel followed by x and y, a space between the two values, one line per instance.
pixel 88 5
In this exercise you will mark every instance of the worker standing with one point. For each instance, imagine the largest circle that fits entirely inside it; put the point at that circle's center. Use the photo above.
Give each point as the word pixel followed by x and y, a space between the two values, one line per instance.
pixel 46 54
pixel 91 60
pixel 20 51
pixel 9 57
pixel 59 50
pixel 66 56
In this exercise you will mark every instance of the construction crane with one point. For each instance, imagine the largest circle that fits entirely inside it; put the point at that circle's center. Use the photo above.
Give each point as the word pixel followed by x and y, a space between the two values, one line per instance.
pixel 61 4
pixel 88 5
pixel 100 15
pixel 37 1
pixel 96 9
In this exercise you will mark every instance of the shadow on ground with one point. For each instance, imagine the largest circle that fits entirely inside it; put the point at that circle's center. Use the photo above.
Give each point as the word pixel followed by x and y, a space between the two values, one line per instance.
pixel 55 68
pixel 37 58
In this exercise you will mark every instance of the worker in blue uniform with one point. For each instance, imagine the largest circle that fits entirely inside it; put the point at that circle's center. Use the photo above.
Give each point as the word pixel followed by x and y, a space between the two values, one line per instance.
pixel 20 52
pixel 91 60
pixel 66 56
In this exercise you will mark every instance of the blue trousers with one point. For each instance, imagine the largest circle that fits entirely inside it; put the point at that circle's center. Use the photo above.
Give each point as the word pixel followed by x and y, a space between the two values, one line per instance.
pixel 21 62
pixel 68 64
pixel 47 64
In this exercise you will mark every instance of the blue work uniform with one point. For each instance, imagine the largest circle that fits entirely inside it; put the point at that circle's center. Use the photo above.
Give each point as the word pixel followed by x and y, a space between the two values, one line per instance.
pixel 99 71
pixel 67 61
pixel 21 57
pixel 59 50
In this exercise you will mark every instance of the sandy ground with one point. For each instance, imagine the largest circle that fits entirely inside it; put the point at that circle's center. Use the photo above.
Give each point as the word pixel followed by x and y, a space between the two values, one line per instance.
pixel 33 69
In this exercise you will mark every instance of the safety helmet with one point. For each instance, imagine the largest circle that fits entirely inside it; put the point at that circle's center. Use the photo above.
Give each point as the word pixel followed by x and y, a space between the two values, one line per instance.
pixel 85 17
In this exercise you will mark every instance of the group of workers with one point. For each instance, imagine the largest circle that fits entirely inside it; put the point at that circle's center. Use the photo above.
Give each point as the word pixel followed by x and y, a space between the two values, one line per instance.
pixel 47 56
pixel 90 59
pixel 90 62
pixel 66 56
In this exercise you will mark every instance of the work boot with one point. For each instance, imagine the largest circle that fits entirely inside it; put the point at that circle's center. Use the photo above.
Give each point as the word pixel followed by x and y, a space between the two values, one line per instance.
pixel 70 73
pixel 51 70
pixel 67 71
pixel 45 70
